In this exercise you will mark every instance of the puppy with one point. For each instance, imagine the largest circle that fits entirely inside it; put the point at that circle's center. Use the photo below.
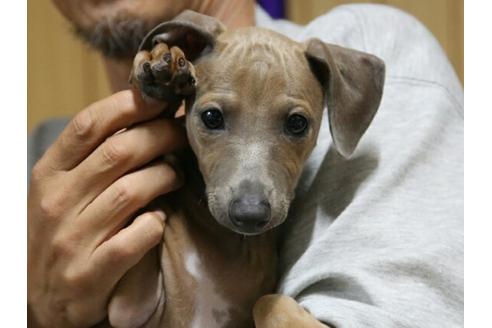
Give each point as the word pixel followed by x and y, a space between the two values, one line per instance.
pixel 254 102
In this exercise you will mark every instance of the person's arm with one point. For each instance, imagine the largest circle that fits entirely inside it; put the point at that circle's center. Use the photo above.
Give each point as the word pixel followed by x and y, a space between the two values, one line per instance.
pixel 82 193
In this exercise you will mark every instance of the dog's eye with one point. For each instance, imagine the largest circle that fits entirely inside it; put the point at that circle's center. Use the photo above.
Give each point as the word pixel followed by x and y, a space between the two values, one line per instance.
pixel 213 119
pixel 296 125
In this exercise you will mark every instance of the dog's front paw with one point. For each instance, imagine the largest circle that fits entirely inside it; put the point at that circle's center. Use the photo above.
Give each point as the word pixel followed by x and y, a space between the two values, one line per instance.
pixel 163 74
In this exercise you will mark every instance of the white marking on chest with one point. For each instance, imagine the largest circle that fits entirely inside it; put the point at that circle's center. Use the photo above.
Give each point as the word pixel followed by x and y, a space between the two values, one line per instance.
pixel 192 265
pixel 211 310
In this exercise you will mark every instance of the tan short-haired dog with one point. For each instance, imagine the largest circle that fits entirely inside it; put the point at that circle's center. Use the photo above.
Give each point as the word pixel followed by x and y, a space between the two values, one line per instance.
pixel 254 102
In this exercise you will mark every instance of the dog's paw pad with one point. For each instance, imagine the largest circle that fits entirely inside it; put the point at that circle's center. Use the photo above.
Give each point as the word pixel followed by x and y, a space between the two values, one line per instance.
pixel 163 73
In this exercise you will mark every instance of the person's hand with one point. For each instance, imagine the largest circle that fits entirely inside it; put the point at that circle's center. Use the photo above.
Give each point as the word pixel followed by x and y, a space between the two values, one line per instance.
pixel 282 311
pixel 83 192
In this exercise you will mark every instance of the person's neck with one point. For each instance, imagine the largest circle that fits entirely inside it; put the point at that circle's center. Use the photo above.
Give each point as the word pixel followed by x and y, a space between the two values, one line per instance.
pixel 233 14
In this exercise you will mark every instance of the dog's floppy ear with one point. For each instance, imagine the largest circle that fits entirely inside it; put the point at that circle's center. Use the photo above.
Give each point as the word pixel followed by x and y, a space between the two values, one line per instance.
pixel 353 86
pixel 192 32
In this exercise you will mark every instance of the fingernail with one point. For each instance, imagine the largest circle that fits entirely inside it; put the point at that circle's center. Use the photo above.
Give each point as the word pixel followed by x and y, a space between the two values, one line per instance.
pixel 152 102
pixel 161 214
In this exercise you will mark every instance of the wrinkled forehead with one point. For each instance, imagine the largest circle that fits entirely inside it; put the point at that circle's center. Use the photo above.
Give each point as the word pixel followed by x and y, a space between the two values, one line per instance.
pixel 260 65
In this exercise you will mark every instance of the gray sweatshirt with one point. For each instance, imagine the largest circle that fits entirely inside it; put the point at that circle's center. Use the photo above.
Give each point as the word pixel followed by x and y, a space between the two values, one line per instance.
pixel 376 240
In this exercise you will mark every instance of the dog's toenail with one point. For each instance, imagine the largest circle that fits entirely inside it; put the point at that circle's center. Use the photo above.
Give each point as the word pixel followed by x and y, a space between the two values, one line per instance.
pixel 146 67
pixel 167 57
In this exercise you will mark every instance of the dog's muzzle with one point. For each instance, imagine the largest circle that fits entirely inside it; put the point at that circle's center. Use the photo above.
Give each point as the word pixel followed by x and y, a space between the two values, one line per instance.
pixel 249 210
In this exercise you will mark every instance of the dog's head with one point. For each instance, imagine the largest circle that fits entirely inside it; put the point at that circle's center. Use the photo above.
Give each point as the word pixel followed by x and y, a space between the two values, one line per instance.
pixel 257 111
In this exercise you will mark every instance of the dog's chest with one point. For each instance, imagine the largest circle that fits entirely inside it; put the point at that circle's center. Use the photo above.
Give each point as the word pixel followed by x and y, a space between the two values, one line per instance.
pixel 212 307
pixel 205 285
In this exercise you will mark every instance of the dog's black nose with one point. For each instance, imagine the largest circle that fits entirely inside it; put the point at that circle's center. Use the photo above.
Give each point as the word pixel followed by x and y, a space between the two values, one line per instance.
pixel 250 213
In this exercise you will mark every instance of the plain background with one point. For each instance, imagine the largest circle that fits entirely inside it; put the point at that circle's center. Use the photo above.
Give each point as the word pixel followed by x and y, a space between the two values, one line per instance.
pixel 64 75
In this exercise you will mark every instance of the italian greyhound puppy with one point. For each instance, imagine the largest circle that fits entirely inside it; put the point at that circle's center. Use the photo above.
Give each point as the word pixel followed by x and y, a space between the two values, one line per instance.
pixel 254 102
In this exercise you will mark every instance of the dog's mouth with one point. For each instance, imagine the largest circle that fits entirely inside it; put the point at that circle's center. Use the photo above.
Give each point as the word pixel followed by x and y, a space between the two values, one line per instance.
pixel 255 232
pixel 250 231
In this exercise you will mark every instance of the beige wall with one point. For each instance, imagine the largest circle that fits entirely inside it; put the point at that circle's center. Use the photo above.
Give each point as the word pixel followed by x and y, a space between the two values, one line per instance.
pixel 444 18
pixel 64 76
